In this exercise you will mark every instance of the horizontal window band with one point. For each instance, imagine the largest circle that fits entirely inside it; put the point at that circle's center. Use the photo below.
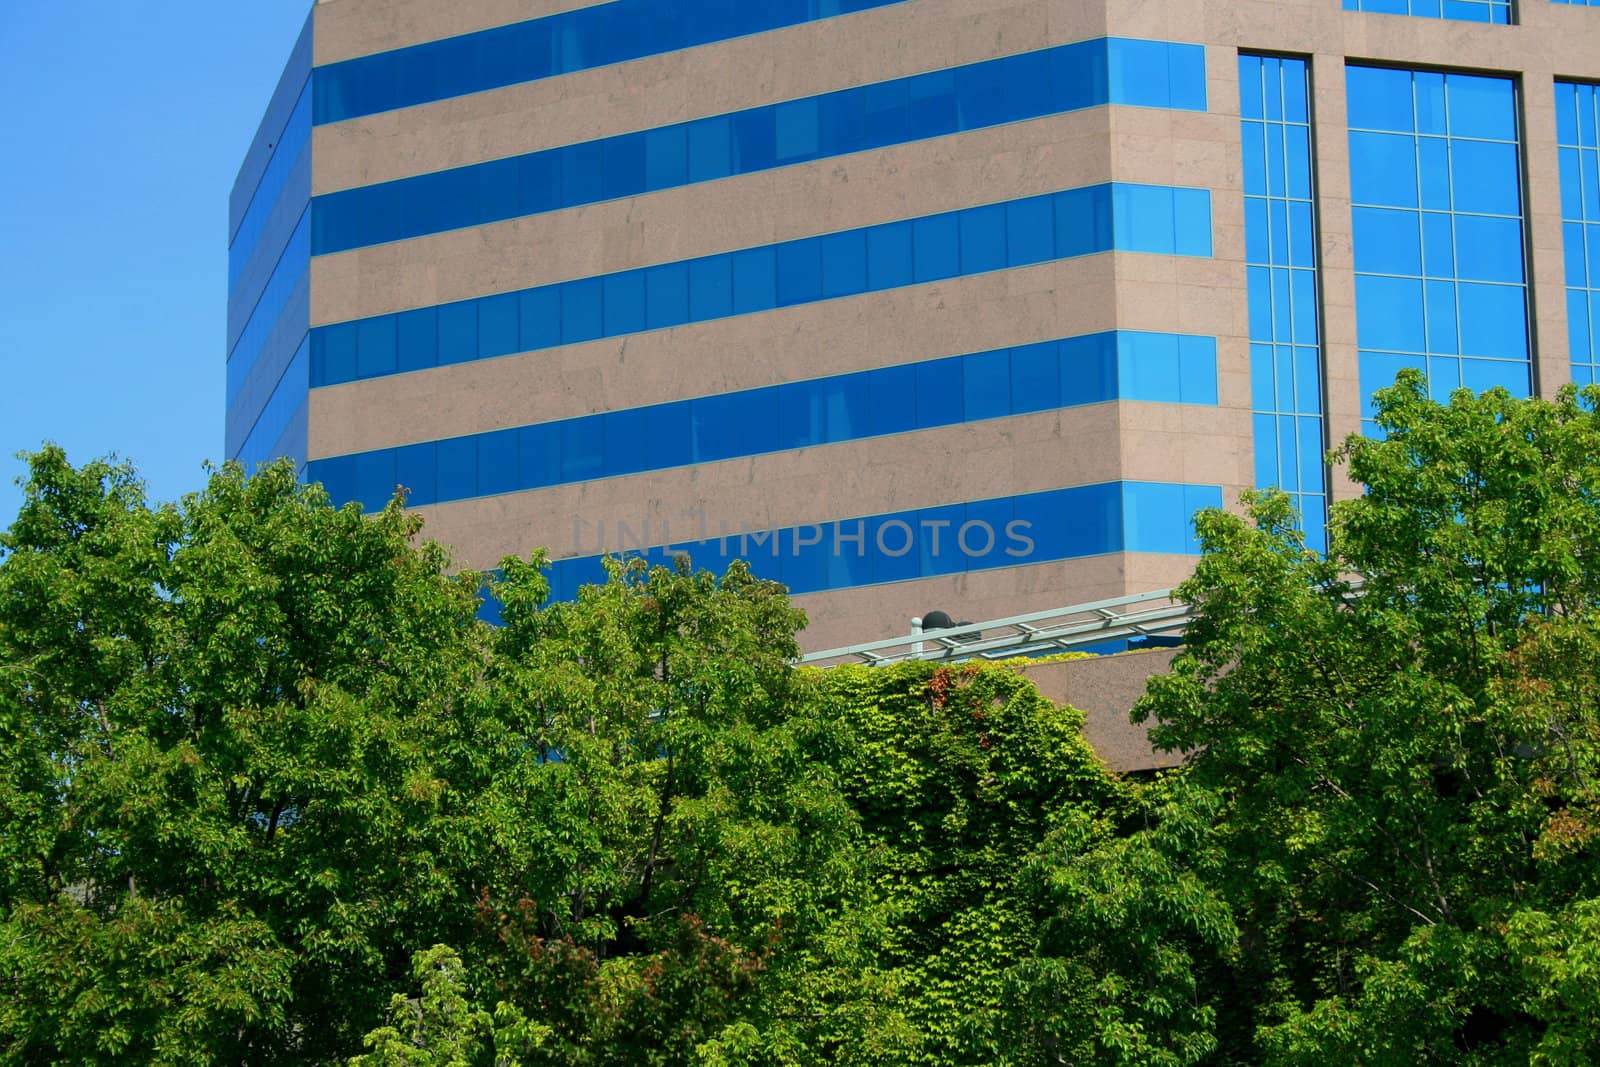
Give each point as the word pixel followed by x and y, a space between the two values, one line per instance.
pixel 269 133
pixel 1156 219
pixel 980 95
pixel 1123 365
pixel 1014 531
pixel 286 405
pixel 286 294
pixel 244 292
pixel 290 443
pixel 1495 12
pixel 284 169
pixel 558 44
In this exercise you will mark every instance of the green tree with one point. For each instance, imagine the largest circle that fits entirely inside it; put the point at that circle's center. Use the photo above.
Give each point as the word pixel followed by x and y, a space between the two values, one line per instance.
pixel 442 1029
pixel 261 764
pixel 1403 771
pixel 668 841
pixel 1015 917
pixel 221 781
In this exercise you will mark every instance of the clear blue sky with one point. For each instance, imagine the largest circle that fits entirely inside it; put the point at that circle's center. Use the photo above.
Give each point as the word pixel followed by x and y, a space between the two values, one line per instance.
pixel 123 125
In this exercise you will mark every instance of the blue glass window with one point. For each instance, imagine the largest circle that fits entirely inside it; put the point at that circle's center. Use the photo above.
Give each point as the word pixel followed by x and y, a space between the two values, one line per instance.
pixel 1436 194
pixel 1497 12
pixel 1281 268
pixel 1577 110
pixel 280 427
pixel 1135 218
pixel 282 295
pixel 979 535
pixel 1156 367
pixel 269 361
pixel 279 198
pixel 1151 73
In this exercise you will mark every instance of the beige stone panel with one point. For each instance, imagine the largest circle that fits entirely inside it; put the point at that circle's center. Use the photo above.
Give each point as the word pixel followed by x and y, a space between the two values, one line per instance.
pixel 1290 25
pixel 1341 371
pixel 1549 37
pixel 1547 268
pixel 346 29
pixel 973 461
pixel 1233 373
pixel 1065 298
pixel 1447 43
pixel 349 28
pixel 1175 147
pixel 906 181
pixel 1061 299
pixel 1147 572
pixel 1105 689
pixel 1194 444
pixel 1181 294
pixel 712 79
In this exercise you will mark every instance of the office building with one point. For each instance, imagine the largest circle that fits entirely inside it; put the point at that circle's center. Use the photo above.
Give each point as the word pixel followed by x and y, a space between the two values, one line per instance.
pixel 916 304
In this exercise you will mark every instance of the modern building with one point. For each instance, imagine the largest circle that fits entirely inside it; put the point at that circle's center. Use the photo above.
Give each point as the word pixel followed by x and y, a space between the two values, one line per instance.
pixel 916 304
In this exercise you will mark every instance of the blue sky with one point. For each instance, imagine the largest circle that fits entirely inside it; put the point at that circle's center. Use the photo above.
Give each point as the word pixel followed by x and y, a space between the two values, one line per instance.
pixel 123 126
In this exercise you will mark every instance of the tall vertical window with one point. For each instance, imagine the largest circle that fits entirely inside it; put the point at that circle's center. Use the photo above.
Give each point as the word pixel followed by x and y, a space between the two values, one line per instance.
pixel 1281 257
pixel 1495 11
pixel 1577 123
pixel 1436 204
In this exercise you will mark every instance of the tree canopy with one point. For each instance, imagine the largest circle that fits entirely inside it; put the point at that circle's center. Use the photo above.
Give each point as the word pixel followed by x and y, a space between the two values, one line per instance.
pixel 1400 739
pixel 271 792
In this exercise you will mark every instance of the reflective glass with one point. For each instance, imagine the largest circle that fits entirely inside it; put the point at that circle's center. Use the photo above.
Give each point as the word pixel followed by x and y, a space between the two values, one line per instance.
pixel 277 296
pixel 270 340
pixel 1577 109
pixel 1281 268
pixel 279 197
pixel 1492 11
pixel 1152 367
pixel 1441 277
pixel 947 539
pixel 1153 219
pixel 279 427
pixel 1155 73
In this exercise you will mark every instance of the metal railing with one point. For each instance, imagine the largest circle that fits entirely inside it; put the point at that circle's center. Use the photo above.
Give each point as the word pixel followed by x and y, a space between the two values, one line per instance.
pixel 1036 633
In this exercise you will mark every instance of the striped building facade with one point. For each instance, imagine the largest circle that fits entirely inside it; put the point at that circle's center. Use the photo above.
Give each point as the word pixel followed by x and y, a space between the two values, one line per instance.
pixel 915 304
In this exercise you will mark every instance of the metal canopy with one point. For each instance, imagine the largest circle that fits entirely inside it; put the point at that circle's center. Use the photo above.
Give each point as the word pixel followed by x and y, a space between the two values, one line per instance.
pixel 1036 633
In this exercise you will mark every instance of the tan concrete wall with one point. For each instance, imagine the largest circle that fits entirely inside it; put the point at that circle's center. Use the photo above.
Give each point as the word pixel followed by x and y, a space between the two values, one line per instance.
pixel 899 326
pixel 951 317
pixel 952 464
pixel 350 28
pixel 741 212
pixel 712 79
pixel 1105 689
